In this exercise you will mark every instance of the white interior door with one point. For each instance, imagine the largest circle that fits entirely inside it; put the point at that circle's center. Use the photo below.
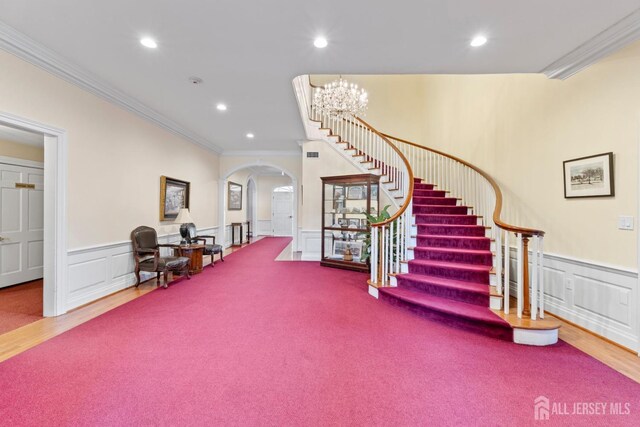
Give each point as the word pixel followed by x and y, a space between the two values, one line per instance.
pixel 282 213
pixel 21 224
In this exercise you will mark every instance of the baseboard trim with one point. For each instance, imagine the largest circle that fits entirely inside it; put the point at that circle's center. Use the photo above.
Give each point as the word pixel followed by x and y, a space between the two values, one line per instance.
pixel 599 298
pixel 590 332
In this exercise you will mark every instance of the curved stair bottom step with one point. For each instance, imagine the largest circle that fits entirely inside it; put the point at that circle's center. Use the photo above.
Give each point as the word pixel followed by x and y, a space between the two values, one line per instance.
pixel 495 330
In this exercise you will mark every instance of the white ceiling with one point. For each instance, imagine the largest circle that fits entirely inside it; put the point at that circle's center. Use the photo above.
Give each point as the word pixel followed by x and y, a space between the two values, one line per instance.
pixel 248 52
pixel 21 136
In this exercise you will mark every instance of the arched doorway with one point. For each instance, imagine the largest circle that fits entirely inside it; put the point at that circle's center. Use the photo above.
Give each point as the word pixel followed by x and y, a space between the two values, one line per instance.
pixel 253 170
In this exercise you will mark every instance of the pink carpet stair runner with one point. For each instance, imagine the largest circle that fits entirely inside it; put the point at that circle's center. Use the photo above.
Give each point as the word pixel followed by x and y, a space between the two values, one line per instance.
pixel 448 279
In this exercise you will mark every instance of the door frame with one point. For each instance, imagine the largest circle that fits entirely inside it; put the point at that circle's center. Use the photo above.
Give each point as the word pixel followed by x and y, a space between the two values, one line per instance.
pixel 55 211
pixel 273 192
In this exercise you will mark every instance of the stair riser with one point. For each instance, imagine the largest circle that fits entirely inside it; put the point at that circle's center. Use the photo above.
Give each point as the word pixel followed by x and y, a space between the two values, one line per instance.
pixel 446 219
pixel 450 273
pixel 443 230
pixel 429 193
pixel 444 292
pixel 423 186
pixel 496 331
pixel 441 201
pixel 464 258
pixel 444 242
pixel 447 210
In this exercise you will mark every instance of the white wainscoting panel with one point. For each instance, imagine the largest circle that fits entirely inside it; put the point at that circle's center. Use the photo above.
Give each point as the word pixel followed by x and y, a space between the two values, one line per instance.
pixel 264 228
pixel 600 298
pixel 98 271
pixel 310 245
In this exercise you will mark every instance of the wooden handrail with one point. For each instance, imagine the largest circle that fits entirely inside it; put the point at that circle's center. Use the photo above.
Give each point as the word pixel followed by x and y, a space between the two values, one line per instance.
pixel 409 194
pixel 498 207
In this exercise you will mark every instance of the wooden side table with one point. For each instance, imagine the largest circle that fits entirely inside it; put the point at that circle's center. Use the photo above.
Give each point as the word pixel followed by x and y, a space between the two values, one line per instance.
pixel 194 252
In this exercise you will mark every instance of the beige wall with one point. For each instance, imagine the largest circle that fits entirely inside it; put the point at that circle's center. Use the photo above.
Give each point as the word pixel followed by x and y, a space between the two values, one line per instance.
pixel 329 163
pixel 520 128
pixel 265 187
pixel 115 158
pixel 21 151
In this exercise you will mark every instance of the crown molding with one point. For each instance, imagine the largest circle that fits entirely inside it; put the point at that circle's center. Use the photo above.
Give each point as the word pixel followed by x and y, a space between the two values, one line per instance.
pixel 263 153
pixel 18 44
pixel 608 41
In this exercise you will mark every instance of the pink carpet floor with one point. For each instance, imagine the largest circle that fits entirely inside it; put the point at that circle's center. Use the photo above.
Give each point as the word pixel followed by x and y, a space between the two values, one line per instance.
pixel 258 342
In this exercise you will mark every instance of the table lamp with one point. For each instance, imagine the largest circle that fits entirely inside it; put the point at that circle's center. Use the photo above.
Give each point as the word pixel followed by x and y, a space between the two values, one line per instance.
pixel 184 219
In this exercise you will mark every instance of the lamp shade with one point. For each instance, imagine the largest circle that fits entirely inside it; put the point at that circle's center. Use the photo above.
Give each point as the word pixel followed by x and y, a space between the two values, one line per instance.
pixel 183 216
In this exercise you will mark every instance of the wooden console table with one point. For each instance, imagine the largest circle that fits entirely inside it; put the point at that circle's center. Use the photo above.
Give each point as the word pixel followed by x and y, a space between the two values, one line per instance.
pixel 194 252
pixel 240 225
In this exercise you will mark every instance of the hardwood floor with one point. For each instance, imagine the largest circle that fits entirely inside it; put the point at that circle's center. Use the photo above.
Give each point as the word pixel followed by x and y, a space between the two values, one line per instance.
pixel 26 337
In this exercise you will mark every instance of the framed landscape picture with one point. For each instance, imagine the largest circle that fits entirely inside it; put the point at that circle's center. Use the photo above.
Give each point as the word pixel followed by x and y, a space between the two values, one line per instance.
pixel 590 176
pixel 174 195
pixel 234 196
pixel 340 246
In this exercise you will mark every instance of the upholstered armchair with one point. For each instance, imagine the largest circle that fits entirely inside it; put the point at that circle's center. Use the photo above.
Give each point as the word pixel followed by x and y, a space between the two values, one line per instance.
pixel 146 253
pixel 209 249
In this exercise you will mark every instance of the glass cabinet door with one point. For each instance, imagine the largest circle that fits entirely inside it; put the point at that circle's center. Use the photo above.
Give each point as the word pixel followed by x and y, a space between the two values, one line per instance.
pixel 344 220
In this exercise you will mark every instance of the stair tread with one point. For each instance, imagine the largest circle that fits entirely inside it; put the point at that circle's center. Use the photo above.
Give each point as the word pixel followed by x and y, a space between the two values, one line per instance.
pixel 454 250
pixel 438 206
pixel 444 236
pixel 447 215
pixel 452 265
pixel 447 306
pixel 476 287
pixel 451 225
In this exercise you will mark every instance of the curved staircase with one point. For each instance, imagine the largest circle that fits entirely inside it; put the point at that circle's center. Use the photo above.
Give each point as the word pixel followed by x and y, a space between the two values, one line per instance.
pixel 448 277
pixel 445 255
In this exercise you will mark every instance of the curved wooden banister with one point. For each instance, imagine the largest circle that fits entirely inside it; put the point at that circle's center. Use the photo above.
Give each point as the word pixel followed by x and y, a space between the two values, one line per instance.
pixel 409 194
pixel 498 207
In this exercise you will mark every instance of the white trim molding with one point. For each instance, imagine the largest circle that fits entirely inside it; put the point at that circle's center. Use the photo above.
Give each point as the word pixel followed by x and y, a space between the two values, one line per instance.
pixel 18 44
pixel 262 153
pixel 21 162
pixel 310 245
pixel 615 37
pixel 55 211
pixel 600 298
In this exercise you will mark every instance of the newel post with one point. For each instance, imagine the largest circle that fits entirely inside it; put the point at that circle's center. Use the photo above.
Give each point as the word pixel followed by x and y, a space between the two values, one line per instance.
pixel 526 305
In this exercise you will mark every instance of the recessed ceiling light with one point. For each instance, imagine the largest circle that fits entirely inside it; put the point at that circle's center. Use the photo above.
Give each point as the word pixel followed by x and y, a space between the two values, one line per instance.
pixel 478 41
pixel 221 107
pixel 148 42
pixel 250 135
pixel 320 42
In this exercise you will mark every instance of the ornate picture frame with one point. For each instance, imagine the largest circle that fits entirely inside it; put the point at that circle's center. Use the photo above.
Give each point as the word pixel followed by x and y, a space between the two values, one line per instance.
pixel 174 195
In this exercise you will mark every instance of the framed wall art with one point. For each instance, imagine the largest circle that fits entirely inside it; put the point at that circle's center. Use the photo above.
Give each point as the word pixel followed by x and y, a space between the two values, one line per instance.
pixel 590 176
pixel 234 196
pixel 174 195
pixel 356 192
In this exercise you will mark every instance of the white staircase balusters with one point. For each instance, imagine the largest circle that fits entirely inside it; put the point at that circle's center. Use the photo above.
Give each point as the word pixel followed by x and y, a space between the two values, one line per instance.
pixel 397 161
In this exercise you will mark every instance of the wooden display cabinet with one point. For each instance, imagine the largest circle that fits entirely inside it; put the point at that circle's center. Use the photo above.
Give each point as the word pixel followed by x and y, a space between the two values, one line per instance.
pixel 345 199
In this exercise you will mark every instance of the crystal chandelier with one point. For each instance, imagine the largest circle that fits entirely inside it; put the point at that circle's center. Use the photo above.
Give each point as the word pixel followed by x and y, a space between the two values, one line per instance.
pixel 341 99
